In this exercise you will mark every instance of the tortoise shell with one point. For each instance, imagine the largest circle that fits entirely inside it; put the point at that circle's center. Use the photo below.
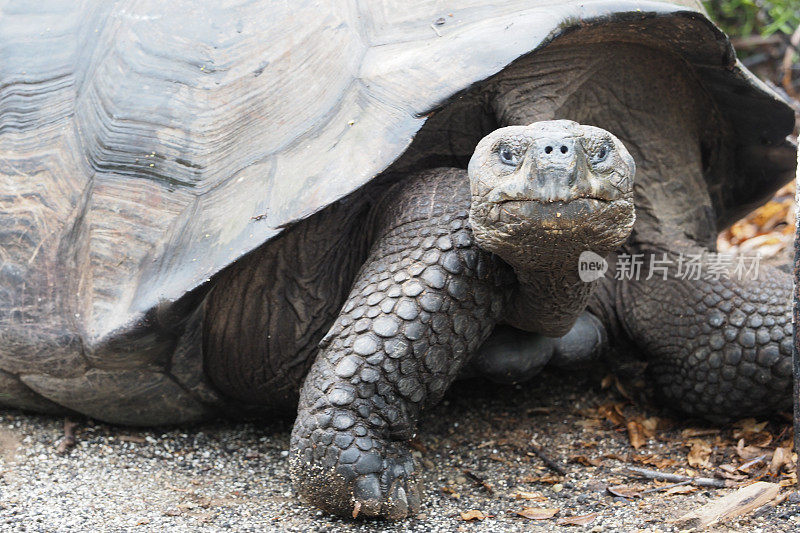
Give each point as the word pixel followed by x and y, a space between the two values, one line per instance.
pixel 146 146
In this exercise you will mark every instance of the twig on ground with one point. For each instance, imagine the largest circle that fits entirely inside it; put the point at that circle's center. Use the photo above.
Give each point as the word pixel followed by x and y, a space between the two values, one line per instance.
pixel 677 478
pixel 767 507
pixel 551 464
pixel 750 464
pixel 479 481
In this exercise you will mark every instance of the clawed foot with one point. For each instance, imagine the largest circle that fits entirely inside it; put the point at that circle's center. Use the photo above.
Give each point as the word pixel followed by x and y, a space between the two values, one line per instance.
pixel 355 476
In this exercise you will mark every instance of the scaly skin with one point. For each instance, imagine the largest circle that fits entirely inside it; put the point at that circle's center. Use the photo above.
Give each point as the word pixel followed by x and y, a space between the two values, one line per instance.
pixel 425 300
pixel 445 255
pixel 718 349
pixel 453 256
pixel 715 348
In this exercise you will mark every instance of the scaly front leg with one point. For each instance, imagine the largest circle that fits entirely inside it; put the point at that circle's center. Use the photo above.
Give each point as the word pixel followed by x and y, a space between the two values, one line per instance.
pixel 424 301
pixel 453 256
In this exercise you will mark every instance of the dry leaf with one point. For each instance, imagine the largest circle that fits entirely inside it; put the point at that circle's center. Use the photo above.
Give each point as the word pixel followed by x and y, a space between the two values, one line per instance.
pixel 698 432
pixel 749 425
pixel 636 434
pixel 729 472
pixel 577 520
pixel 789 478
pixel 741 231
pixel 747 453
pixel 623 491
pixel 768 212
pixel 545 478
pixel 538 513
pixel 586 461
pixel 699 454
pixel 613 413
pixel 782 457
pixel 651 425
pixel 622 390
pixel 472 514
pixel 534 496
pixel 589 423
pixel 654 460
pixel 453 494
pixel 760 439
pixel 681 489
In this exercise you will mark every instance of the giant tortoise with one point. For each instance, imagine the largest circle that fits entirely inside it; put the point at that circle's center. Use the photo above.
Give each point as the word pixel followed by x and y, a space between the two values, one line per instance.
pixel 209 205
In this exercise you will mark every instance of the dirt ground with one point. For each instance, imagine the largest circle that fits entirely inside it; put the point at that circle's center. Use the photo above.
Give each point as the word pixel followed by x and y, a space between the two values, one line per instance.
pixel 477 451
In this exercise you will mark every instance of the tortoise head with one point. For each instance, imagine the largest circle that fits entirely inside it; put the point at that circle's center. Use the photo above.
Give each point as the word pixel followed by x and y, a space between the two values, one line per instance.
pixel 544 193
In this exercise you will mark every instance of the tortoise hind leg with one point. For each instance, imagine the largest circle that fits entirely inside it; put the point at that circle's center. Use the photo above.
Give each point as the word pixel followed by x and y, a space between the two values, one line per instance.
pixel 716 348
pixel 268 311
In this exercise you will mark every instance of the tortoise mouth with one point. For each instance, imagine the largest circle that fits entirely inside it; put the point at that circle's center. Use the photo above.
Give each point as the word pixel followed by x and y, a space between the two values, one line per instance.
pixel 548 234
pixel 550 213
pixel 557 202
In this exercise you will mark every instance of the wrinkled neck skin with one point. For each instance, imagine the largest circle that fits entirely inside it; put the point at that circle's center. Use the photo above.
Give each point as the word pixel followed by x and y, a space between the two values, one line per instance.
pixel 549 295
pixel 547 300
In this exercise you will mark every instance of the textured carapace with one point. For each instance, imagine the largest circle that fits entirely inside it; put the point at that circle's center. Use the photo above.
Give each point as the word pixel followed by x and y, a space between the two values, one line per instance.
pixel 145 147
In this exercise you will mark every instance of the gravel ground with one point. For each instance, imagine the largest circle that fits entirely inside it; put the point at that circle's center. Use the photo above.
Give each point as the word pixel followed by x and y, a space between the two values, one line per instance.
pixel 234 476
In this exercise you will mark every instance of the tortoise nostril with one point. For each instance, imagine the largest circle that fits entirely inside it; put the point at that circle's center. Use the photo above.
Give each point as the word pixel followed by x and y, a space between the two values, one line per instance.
pixel 548 149
pixel 564 149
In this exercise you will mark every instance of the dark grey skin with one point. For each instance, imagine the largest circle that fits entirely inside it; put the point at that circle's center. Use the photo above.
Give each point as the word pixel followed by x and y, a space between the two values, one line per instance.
pixel 716 348
pixel 177 241
pixel 451 255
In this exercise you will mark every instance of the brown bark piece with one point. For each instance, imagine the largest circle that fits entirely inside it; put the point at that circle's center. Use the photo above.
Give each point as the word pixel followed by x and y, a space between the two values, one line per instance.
pixel 742 501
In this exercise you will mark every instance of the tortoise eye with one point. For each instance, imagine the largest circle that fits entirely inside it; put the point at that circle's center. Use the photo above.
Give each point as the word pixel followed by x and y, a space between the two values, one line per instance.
pixel 507 156
pixel 600 154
